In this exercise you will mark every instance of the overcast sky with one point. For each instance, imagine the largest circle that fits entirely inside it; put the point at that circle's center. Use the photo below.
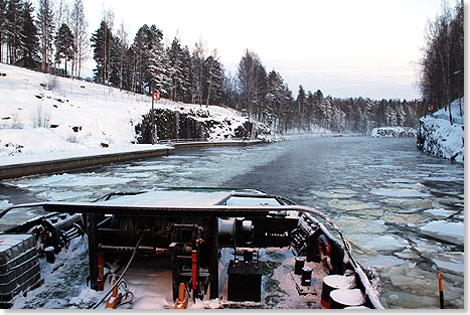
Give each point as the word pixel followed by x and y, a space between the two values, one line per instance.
pixel 346 48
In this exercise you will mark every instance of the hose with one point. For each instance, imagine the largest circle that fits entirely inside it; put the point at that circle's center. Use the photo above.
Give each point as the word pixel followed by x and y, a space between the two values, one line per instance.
pixel 123 273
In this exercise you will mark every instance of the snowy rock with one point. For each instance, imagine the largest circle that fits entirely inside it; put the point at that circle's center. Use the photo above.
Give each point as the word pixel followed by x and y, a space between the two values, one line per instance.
pixel 393 132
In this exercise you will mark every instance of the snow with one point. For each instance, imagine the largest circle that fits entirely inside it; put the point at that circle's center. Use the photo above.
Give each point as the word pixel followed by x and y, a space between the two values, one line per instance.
pixel 440 137
pixel 386 242
pixel 440 213
pixel 41 113
pixel 443 113
pixel 65 276
pixel 177 198
pixel 4 204
pixel 458 267
pixel 399 193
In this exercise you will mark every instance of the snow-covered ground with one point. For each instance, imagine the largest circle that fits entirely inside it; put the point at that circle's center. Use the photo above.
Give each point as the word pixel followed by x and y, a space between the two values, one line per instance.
pixel 44 114
pixel 393 132
pixel 437 136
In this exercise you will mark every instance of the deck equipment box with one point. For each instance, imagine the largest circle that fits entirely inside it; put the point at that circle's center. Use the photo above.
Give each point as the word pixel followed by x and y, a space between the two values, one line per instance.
pixel 244 280
pixel 19 266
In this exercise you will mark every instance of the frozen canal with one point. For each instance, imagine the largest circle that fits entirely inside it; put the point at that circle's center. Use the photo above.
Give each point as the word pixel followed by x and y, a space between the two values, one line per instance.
pixel 402 210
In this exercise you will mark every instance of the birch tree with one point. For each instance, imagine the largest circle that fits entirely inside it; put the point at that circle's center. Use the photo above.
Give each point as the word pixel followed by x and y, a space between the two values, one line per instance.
pixel 79 27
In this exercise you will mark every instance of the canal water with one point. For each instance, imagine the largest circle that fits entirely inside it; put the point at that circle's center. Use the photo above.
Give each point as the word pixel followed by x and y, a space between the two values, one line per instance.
pixel 402 210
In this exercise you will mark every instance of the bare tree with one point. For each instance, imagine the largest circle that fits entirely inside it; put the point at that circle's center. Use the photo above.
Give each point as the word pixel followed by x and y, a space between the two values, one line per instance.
pixel 108 18
pixel 79 27
pixel 62 16
pixel 211 74
pixel 442 65
pixel 123 45
pixel 199 55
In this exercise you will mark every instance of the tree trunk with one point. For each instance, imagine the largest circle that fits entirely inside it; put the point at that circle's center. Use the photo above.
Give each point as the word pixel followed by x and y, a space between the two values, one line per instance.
pixel 209 92
pixel 79 61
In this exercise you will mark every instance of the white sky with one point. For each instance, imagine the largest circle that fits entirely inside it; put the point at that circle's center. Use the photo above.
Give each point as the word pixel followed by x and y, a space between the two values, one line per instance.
pixel 346 48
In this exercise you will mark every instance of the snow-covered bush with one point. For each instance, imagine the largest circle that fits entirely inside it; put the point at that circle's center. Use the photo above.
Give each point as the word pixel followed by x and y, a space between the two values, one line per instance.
pixel 52 84
pixel 41 117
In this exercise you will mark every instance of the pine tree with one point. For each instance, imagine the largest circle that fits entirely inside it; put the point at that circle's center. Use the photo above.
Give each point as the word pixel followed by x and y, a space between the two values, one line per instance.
pixel 3 26
pixel 157 74
pixel 309 110
pixel 251 83
pixel 46 31
pixel 274 100
pixel 175 55
pixel 301 103
pixel 64 43
pixel 261 86
pixel 13 29
pixel 101 44
pixel 29 31
pixel 135 57
pixel 213 80
pixel 119 66
pixel 187 75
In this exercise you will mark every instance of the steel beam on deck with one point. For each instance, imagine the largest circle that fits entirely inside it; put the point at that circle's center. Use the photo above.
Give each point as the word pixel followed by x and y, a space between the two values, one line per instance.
pixel 92 231
pixel 214 256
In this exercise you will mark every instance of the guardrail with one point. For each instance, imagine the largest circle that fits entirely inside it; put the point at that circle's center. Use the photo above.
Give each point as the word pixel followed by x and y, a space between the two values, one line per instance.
pixel 173 141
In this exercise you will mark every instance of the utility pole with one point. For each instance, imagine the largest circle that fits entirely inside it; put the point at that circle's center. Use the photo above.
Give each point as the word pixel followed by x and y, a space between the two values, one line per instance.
pixel 155 97
pixel 153 123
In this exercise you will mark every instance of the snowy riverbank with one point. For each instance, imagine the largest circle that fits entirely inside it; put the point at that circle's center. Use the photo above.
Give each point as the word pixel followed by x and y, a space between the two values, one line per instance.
pixel 43 114
pixel 437 136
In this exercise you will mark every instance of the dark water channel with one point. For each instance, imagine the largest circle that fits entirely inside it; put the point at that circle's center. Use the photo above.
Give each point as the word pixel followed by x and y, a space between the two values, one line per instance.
pixel 402 210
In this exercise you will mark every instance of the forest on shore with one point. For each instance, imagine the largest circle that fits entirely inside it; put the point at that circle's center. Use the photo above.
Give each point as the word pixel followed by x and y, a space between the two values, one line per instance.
pixel 55 39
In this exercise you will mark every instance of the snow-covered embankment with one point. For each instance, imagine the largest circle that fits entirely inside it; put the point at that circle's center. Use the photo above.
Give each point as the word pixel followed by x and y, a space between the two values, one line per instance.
pixel 437 136
pixel 44 114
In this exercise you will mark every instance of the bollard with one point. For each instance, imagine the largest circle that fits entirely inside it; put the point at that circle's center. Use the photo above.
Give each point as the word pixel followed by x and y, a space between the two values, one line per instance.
pixel 50 257
pixel 299 264
pixel 306 276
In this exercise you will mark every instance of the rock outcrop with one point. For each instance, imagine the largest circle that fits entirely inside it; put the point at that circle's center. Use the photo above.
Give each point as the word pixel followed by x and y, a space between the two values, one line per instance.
pixel 197 124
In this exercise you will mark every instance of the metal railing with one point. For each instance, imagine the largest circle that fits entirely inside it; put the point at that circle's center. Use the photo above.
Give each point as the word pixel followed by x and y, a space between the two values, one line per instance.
pixel 192 140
